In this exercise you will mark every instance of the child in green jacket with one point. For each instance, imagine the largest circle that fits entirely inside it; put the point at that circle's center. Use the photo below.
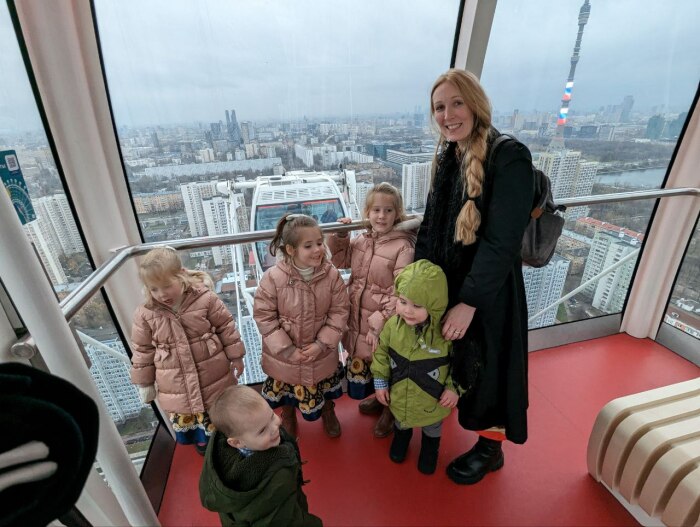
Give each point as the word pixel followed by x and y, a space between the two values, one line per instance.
pixel 411 366
pixel 252 469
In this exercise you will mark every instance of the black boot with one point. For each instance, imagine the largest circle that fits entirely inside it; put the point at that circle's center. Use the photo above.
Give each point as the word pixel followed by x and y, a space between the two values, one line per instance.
pixel 427 459
pixel 469 468
pixel 399 445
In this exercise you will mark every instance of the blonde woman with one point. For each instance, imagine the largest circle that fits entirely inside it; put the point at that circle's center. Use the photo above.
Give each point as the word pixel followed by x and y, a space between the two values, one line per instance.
pixel 473 227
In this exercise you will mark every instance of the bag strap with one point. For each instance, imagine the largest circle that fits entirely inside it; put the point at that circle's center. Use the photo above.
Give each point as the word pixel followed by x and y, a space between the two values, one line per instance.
pixel 543 186
pixel 496 145
pixel 538 208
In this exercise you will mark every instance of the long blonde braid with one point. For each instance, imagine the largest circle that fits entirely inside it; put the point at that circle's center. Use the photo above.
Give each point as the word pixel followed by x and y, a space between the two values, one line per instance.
pixel 472 170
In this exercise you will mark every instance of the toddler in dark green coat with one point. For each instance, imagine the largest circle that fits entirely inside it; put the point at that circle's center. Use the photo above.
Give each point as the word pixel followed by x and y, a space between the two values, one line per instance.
pixel 411 366
pixel 252 469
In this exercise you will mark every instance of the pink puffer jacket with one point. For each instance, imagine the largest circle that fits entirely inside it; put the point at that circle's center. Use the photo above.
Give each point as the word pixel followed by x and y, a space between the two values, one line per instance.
pixel 188 354
pixel 375 261
pixel 292 313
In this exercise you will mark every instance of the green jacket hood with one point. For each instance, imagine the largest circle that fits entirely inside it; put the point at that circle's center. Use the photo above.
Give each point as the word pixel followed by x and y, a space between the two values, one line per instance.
pixel 424 284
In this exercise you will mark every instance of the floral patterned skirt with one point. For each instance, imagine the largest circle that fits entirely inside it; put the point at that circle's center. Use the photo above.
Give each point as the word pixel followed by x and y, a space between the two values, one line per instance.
pixel 192 428
pixel 360 384
pixel 309 399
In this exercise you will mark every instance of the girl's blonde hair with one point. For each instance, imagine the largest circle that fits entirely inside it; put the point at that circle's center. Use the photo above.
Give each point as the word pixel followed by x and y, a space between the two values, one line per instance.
pixel 287 233
pixel 163 264
pixel 473 149
pixel 389 190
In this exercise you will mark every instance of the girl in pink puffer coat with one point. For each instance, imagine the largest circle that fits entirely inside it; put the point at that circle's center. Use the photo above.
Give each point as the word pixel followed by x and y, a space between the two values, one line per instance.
pixel 301 308
pixel 186 348
pixel 375 257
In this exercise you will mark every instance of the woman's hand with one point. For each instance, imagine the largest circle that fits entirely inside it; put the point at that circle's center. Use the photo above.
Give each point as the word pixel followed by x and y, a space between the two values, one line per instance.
pixel 382 396
pixel 311 352
pixel 344 221
pixel 449 399
pixel 456 321
pixel 372 341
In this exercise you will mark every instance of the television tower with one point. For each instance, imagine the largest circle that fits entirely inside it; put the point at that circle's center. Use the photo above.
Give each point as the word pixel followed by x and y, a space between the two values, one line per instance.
pixel 558 139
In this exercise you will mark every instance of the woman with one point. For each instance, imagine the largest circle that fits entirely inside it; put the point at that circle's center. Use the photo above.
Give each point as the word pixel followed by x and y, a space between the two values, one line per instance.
pixel 473 228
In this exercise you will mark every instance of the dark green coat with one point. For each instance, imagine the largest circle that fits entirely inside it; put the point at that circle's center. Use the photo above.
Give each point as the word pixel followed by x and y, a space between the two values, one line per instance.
pixel 488 276
pixel 416 362
pixel 263 489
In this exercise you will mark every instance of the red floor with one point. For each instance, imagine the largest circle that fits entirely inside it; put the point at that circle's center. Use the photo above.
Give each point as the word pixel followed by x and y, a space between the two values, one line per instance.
pixel 544 482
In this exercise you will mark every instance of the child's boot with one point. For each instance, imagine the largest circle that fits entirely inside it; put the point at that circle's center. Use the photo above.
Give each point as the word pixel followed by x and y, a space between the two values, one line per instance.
pixel 371 406
pixel 385 424
pixel 201 448
pixel 289 420
pixel 331 425
pixel 427 459
pixel 399 445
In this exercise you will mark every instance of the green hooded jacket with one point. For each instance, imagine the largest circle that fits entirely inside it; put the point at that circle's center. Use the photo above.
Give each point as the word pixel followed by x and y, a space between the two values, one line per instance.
pixel 416 362
pixel 263 489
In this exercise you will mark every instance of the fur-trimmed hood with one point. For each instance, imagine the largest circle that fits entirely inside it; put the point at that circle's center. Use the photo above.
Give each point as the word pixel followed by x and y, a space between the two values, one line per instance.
pixel 411 224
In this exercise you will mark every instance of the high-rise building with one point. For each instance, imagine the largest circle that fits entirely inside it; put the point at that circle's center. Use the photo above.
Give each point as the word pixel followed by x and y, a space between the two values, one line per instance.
pixel 609 292
pixel 560 166
pixel 54 212
pixel 155 140
pixel 306 155
pixel 216 219
pixel 37 233
pixel 586 172
pixel 111 377
pixel 216 131
pixel 570 176
pixel 207 155
pixel 543 287
pixel 253 350
pixel 626 109
pixel 247 131
pixel 655 127
pixel 234 131
pixel 192 196
pixel 415 184
pixel 361 190
pixel 673 129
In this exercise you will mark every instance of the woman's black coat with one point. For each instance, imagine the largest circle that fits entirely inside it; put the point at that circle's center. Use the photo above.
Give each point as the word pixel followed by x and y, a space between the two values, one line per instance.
pixel 488 276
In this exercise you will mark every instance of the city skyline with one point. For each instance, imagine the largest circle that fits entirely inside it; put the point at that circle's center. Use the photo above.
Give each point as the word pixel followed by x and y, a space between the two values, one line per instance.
pixel 333 69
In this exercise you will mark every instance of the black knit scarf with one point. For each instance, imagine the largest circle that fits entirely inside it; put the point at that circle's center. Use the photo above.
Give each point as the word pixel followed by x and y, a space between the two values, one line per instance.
pixel 447 199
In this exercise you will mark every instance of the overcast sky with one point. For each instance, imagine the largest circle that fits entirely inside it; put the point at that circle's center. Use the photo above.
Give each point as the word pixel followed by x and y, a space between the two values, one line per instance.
pixel 184 60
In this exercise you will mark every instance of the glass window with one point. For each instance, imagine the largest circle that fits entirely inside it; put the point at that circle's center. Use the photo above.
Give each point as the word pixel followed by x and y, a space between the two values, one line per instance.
pixel 267 216
pixel 267 90
pixel 601 110
pixel 36 187
pixel 683 311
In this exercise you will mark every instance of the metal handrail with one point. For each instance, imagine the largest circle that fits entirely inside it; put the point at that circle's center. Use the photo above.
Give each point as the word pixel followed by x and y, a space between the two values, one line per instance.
pixel 628 196
pixel 583 286
pixel 81 294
